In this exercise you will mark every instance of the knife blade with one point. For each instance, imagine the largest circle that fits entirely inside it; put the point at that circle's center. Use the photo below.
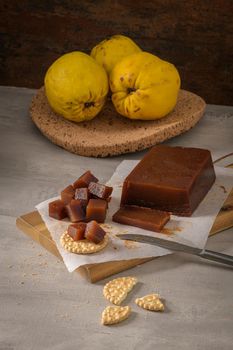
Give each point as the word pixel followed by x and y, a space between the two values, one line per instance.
pixel 175 246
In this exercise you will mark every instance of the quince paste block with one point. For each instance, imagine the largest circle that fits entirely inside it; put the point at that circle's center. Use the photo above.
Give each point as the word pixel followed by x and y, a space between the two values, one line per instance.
pixel 146 218
pixel 173 179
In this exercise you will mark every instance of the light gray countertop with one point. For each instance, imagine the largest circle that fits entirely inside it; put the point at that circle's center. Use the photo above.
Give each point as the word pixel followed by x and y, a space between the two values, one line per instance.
pixel 42 306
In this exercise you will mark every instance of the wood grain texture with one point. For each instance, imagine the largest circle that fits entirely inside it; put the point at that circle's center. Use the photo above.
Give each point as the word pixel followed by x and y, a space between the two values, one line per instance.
pixel 45 307
pixel 33 225
pixel 196 35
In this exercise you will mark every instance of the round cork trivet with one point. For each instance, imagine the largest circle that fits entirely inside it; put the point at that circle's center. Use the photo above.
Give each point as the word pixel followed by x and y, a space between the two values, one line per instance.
pixel 109 134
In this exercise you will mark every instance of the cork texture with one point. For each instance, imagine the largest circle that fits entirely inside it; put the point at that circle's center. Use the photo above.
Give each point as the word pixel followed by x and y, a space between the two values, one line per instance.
pixel 109 134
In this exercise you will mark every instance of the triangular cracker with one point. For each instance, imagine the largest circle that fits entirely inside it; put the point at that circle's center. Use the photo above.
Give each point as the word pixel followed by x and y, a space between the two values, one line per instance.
pixel 115 314
pixel 150 302
pixel 116 290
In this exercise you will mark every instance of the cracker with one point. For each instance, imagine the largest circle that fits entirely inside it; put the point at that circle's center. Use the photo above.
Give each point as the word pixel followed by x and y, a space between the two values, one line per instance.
pixel 150 302
pixel 115 314
pixel 82 247
pixel 116 290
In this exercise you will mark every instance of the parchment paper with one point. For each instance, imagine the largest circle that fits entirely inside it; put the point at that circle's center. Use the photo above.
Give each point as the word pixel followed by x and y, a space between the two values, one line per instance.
pixel 192 230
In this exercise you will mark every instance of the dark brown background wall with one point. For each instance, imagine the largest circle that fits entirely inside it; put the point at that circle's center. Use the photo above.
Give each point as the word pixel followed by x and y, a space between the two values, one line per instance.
pixel 196 35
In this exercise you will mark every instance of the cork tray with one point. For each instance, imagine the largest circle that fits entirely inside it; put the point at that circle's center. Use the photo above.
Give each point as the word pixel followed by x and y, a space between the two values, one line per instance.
pixel 110 134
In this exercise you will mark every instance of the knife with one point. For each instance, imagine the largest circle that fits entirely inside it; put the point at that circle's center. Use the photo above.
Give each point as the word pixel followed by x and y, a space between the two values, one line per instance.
pixel 171 245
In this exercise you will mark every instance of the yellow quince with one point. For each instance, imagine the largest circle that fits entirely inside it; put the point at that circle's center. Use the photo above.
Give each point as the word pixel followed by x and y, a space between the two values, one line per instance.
pixel 76 86
pixel 144 86
pixel 110 51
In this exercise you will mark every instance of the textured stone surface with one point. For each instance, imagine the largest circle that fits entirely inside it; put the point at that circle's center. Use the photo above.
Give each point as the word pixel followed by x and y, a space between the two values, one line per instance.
pixel 195 35
pixel 44 307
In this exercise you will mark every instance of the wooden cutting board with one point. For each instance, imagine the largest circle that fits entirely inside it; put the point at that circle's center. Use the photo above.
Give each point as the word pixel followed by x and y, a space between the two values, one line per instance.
pixel 33 226
pixel 109 133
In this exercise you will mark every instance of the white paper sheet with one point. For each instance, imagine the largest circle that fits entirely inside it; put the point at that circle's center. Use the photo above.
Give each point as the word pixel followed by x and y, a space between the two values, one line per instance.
pixel 192 230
